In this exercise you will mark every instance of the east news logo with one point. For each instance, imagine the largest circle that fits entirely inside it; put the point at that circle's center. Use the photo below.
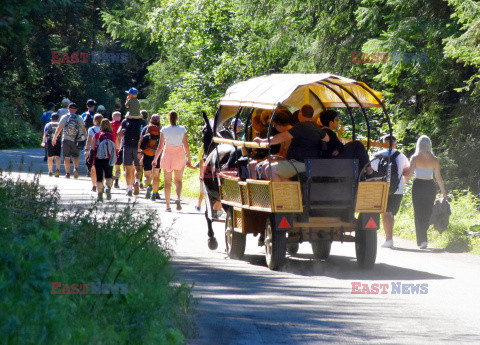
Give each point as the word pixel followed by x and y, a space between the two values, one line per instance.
pixel 393 288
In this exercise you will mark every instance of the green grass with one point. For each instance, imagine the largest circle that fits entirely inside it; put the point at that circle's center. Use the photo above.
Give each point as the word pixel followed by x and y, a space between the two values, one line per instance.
pixel 465 216
pixel 40 245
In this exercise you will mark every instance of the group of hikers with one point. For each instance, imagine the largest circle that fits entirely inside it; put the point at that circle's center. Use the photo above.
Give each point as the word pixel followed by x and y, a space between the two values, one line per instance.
pixel 138 143
pixel 145 148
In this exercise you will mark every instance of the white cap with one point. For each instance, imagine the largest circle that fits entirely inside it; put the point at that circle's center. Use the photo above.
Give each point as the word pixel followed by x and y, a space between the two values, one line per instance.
pixel 100 107
pixel 65 101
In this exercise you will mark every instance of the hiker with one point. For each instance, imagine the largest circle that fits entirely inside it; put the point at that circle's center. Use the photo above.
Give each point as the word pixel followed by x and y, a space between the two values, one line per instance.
pixel 144 114
pixel 116 123
pixel 148 145
pixel 73 127
pixel 53 151
pixel 89 154
pixel 425 166
pixel 174 146
pixel 64 109
pixel 104 158
pixel 46 119
pixel 102 111
pixel 89 114
pixel 399 167
pixel 130 131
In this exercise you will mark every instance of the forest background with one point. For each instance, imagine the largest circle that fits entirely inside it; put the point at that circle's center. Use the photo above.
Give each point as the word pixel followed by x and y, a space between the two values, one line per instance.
pixel 422 54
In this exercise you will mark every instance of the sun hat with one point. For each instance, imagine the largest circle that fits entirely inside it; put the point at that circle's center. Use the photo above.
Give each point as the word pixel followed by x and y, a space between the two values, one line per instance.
pixel 65 101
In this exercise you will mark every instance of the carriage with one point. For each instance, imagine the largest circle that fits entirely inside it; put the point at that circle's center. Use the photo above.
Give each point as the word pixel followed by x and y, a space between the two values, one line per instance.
pixel 331 201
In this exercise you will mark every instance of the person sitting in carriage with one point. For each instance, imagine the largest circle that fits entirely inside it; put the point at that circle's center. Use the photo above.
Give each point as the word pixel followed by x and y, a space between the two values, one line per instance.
pixel 306 142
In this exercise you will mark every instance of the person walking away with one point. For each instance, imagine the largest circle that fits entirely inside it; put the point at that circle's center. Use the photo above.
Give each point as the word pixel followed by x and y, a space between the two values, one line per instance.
pixel 102 111
pixel 130 131
pixel 425 166
pixel 89 114
pixel 116 123
pixel 72 125
pixel 104 159
pixel 148 144
pixel 399 166
pixel 89 153
pixel 64 109
pixel 174 146
pixel 144 114
pixel 53 152
pixel 46 119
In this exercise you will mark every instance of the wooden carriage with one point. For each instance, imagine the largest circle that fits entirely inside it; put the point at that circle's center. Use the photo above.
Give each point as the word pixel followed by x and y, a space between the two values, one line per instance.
pixel 329 202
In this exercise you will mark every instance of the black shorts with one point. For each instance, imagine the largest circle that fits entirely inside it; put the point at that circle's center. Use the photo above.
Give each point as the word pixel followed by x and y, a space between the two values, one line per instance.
pixel 103 169
pixel 54 151
pixel 394 201
pixel 147 162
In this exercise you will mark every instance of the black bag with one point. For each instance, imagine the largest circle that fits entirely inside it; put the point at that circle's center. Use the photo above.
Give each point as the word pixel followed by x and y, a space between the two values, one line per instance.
pixel 81 140
pixel 385 170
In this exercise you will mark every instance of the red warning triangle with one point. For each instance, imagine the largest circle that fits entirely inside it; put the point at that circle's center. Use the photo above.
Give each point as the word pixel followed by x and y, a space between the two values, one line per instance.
pixel 371 224
pixel 284 224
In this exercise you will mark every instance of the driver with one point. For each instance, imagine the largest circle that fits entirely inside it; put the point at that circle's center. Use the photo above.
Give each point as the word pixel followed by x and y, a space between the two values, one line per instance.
pixel 306 142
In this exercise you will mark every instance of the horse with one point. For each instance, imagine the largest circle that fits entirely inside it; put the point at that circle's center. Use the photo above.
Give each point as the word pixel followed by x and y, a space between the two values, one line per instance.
pixel 218 158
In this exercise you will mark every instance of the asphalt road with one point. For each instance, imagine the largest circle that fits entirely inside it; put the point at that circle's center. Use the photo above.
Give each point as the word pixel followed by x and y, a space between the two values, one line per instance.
pixel 308 302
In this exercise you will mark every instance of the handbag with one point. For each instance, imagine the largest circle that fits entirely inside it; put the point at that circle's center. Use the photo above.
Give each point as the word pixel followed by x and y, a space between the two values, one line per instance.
pixel 80 140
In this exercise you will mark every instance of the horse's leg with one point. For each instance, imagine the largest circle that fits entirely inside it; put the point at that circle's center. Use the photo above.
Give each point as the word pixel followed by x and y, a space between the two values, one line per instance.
pixel 212 241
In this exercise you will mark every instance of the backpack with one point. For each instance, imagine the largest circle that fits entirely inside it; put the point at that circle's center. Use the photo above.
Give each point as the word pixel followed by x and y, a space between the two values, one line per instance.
pixel 106 148
pixel 150 140
pixel 71 128
pixel 384 170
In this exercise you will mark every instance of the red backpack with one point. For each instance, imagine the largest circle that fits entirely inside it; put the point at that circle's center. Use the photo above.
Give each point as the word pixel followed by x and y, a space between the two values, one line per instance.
pixel 150 140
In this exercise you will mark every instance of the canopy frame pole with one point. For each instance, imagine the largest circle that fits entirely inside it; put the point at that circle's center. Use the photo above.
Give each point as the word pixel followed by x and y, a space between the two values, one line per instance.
pixel 317 98
pixel 367 121
pixel 245 132
pixel 346 105
pixel 268 137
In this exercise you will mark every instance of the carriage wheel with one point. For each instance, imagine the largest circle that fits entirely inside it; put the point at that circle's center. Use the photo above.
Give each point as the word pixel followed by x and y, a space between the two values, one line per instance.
pixel 292 248
pixel 234 241
pixel 321 249
pixel 275 247
pixel 366 247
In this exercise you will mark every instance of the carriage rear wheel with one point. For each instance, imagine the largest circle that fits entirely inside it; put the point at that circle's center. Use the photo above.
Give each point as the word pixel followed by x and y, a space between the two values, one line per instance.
pixel 321 249
pixel 234 241
pixel 366 248
pixel 275 246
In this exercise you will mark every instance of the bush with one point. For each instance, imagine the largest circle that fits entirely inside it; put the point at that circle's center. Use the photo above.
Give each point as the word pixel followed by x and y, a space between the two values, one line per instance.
pixel 39 245
pixel 16 133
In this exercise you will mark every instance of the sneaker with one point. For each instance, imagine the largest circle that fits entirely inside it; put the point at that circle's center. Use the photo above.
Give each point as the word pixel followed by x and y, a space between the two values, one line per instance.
pixel 100 197
pixel 108 191
pixel 154 197
pixel 149 192
pixel 129 193
pixel 57 173
pixel 168 209
pixel 50 174
pixel 116 185
pixel 67 175
pixel 141 185
pixel 387 244
pixel 179 206
pixel 136 189
pixel 75 173
pixel 94 189
pixel 198 208
pixel 423 245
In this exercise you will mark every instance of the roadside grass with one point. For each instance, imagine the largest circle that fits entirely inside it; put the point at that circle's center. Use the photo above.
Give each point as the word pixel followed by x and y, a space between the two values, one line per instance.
pixel 41 244
pixel 465 217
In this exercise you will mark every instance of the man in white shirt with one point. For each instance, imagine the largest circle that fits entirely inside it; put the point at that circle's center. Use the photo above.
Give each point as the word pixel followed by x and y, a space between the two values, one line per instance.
pixel 395 199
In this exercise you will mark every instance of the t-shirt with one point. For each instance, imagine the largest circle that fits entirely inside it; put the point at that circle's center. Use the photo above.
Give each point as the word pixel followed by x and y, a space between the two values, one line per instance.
pixel 62 111
pixel 402 163
pixel 306 141
pixel 334 144
pixel 50 129
pixel 115 126
pixel 133 106
pixel 93 130
pixel 132 128
pixel 63 122
pixel 173 135
pixel 88 118
pixel 46 116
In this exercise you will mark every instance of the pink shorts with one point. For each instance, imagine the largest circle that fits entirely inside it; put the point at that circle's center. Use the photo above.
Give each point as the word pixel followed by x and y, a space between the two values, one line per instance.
pixel 173 158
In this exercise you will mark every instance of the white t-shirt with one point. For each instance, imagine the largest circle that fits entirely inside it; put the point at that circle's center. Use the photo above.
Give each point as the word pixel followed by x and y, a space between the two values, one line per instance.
pixel 402 163
pixel 93 130
pixel 173 135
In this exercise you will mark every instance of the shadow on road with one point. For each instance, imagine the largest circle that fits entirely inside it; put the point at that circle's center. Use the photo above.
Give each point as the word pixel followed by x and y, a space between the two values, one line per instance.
pixel 341 267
